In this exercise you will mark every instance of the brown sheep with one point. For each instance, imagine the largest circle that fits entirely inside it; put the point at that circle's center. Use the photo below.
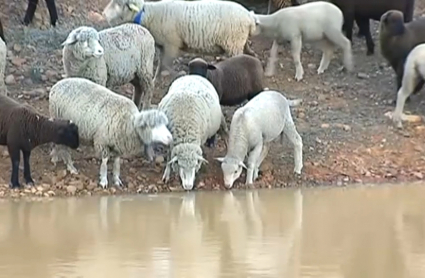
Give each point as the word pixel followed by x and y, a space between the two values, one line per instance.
pixel 397 39
pixel 22 129
pixel 235 79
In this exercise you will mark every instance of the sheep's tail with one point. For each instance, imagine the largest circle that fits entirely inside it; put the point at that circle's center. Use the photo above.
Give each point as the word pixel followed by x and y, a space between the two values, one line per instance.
pixel 294 102
pixel 253 25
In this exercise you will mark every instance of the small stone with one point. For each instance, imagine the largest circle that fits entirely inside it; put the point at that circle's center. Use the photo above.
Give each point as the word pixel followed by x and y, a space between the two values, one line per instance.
pixel 325 125
pixel 301 115
pixel 18 61
pixel 159 159
pixel 51 193
pixel 92 185
pixel 165 73
pixel 346 127
pixel 362 75
pixel 9 80
pixel 39 188
pixel 71 189
pixel 418 175
pixel 17 47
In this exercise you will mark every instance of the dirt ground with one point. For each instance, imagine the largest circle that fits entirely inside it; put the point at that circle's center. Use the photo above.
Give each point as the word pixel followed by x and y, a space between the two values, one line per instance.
pixel 347 139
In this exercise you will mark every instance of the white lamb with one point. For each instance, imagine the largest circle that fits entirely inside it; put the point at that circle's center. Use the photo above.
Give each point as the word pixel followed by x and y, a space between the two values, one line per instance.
pixel 110 122
pixel 319 22
pixel 194 112
pixel 113 57
pixel 209 27
pixel 3 52
pixel 253 127
pixel 414 72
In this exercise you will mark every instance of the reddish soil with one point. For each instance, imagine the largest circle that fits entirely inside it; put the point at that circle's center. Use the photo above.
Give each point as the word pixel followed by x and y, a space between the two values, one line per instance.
pixel 347 138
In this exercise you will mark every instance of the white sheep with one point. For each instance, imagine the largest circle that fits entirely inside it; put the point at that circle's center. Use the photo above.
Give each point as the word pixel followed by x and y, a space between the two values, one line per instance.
pixel 414 72
pixel 110 122
pixel 319 22
pixel 113 57
pixel 253 127
pixel 209 27
pixel 3 52
pixel 193 109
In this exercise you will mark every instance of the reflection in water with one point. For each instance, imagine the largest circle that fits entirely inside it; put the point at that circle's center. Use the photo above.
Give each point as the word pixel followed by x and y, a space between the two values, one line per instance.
pixel 349 233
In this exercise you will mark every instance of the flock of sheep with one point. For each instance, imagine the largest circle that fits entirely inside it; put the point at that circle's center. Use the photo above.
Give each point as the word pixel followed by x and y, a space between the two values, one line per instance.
pixel 84 110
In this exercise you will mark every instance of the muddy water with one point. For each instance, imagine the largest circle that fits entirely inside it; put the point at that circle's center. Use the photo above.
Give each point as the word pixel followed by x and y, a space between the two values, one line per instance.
pixel 352 233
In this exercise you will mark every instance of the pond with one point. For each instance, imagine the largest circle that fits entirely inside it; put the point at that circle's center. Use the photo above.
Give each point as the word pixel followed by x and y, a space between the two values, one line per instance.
pixel 357 232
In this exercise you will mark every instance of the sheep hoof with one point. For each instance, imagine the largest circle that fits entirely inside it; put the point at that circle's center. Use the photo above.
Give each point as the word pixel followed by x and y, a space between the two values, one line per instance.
pixel 369 52
pixel 103 183
pixel 297 170
pixel 14 185
pixel 118 182
pixel 29 182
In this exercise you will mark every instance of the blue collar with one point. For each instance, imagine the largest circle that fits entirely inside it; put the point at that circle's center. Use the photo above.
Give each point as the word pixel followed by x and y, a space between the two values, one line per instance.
pixel 139 16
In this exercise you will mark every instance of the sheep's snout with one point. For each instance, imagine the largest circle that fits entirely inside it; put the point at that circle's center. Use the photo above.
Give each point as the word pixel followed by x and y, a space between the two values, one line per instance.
pixel 162 134
pixel 98 51
pixel 187 177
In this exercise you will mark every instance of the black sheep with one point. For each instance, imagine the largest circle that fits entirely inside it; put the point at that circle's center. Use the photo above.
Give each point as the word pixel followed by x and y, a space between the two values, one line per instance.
pixel 363 10
pixel 32 6
pixel 22 129
pixel 2 32
pixel 397 39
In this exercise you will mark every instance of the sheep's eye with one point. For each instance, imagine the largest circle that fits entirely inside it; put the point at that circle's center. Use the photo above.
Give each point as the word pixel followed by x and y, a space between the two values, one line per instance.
pixel 236 171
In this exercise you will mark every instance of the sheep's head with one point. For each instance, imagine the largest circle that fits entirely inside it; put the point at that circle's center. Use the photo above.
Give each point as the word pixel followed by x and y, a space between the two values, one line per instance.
pixel 151 125
pixel 392 23
pixel 186 159
pixel 85 43
pixel 257 23
pixel 122 11
pixel 67 133
pixel 232 169
pixel 200 67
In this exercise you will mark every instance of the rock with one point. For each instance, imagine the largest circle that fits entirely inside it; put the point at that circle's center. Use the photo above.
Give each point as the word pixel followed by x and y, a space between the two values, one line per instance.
pixel 325 125
pixel 51 193
pixel 39 188
pixel 159 159
pixel 17 47
pixel 92 185
pixel 9 80
pixel 71 189
pixel 362 75
pixel 418 175
pixel 18 61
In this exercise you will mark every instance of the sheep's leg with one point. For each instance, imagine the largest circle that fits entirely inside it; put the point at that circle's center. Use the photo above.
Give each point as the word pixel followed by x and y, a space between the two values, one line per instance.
pixel 52 11
pixel 327 49
pixel 348 25
pixel 54 155
pixel 167 173
pixel 116 172
pixel 264 152
pixel 337 38
pixel 27 169
pixel 15 157
pixel 211 141
pixel 66 157
pixel 410 80
pixel 270 68
pixel 253 158
pixel 147 91
pixel 269 6
pixel 296 45
pixel 160 53
pixel 29 14
pixel 364 29
pixel 103 173
pixel 224 130
pixel 248 50
pixel 170 52
pixel 296 140
pixel 149 152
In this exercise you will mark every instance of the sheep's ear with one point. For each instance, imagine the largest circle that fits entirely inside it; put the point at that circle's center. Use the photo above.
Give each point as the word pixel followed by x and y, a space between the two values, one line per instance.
pixel 71 39
pixel 133 7
pixel 211 67
pixel 242 165
pixel 220 159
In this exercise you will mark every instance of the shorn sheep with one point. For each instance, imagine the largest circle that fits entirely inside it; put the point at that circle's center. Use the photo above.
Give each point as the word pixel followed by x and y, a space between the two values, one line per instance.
pixel 32 6
pixel 414 73
pixel 193 109
pixel 253 127
pixel 22 129
pixel 235 79
pixel 319 22
pixel 364 10
pixel 111 123
pixel 208 27
pixel 113 57
pixel 397 39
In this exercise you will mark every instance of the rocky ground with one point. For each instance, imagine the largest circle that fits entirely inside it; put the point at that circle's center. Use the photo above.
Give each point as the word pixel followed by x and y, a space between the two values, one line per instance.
pixel 347 138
